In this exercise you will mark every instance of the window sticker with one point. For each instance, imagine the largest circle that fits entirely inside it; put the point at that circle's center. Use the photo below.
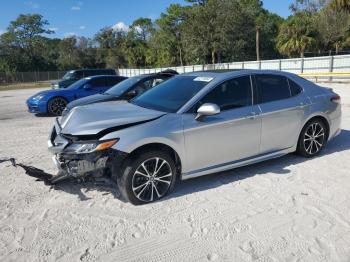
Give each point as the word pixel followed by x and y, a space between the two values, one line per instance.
pixel 203 79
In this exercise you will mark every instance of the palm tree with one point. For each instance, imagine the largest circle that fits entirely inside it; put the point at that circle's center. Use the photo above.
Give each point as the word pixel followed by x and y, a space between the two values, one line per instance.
pixel 295 36
pixel 341 4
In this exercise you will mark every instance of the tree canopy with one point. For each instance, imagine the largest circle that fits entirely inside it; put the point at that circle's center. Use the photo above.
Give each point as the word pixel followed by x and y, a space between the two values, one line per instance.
pixel 200 32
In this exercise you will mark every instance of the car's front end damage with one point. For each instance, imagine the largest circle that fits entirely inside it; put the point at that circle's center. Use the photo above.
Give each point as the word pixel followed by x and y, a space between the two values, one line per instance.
pixel 78 157
pixel 86 141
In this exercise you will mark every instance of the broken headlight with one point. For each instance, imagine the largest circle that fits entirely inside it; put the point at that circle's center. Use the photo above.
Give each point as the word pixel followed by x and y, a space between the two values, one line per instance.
pixel 90 146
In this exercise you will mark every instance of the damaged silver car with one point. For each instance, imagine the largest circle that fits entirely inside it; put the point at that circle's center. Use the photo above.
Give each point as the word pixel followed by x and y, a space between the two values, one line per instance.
pixel 192 125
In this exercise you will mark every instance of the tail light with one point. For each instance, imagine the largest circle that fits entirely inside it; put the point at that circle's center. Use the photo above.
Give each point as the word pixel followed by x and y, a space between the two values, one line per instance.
pixel 336 99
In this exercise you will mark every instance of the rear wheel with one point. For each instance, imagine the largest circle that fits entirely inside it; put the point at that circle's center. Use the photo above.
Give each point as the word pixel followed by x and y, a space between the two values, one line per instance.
pixel 56 106
pixel 312 139
pixel 147 177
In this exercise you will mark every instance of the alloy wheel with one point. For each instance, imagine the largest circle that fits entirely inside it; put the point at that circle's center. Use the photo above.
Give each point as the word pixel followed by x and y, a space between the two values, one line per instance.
pixel 152 179
pixel 57 105
pixel 314 138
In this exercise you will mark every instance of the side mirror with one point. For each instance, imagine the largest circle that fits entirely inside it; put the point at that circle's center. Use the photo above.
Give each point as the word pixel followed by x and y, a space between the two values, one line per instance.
pixel 87 87
pixel 207 109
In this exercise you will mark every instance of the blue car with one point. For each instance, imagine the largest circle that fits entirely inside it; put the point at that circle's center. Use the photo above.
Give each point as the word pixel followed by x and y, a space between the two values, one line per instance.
pixel 54 101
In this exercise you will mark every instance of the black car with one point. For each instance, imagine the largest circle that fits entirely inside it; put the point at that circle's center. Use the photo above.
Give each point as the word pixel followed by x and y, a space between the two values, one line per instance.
pixel 125 90
pixel 74 75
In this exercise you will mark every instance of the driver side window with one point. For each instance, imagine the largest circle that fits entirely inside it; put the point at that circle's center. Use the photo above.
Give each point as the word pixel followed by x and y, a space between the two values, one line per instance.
pixel 231 94
pixel 98 82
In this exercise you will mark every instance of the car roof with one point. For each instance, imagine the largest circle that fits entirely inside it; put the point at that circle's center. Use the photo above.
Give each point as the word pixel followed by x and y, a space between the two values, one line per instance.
pixel 103 76
pixel 92 69
pixel 226 73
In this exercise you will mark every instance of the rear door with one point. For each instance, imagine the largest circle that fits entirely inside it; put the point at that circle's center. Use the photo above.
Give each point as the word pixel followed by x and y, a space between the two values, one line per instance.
pixel 281 110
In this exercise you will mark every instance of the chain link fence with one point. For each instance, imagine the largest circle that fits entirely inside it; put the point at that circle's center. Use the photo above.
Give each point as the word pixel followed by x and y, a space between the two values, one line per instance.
pixel 26 77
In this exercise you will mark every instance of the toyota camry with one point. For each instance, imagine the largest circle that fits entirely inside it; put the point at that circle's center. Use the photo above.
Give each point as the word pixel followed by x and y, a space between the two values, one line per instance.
pixel 192 125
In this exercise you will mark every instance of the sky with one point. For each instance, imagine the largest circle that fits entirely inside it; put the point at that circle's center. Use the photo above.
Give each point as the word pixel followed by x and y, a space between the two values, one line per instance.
pixel 86 17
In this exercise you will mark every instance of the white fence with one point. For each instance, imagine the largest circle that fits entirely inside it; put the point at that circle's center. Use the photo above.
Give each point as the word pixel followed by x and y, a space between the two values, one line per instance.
pixel 324 64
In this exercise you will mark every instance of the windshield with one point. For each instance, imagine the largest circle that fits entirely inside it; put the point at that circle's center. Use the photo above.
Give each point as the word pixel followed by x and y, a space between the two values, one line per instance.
pixel 77 84
pixel 120 88
pixel 172 94
pixel 69 75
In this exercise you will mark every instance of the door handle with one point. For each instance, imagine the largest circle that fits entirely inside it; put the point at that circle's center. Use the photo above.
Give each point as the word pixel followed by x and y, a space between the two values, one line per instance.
pixel 252 115
pixel 302 105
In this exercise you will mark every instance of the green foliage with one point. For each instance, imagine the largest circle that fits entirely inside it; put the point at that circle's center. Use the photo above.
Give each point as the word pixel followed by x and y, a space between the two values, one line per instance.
pixel 202 31
pixel 296 35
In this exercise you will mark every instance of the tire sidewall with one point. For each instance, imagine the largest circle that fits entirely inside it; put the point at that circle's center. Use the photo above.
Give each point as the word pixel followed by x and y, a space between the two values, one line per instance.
pixel 124 182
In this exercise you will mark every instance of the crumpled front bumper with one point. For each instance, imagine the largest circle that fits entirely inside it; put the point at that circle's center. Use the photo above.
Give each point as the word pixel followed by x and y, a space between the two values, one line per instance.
pixel 79 165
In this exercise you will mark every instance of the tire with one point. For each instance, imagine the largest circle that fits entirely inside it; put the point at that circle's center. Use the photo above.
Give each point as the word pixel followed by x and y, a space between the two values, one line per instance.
pixel 56 106
pixel 312 139
pixel 140 183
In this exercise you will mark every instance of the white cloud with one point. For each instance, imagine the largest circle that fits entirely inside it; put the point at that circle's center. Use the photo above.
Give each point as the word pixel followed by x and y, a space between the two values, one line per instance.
pixel 2 31
pixel 120 26
pixel 33 5
pixel 54 29
pixel 70 34
pixel 138 29
pixel 82 27
pixel 75 8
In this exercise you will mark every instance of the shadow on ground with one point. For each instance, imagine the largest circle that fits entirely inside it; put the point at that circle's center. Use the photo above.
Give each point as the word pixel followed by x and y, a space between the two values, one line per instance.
pixel 277 166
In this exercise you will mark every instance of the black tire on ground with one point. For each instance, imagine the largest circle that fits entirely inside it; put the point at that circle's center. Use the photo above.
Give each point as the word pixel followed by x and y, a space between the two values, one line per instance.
pixel 147 177
pixel 56 106
pixel 313 138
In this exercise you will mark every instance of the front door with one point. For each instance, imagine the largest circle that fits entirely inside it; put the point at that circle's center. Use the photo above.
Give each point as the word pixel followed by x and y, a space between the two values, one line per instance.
pixel 230 136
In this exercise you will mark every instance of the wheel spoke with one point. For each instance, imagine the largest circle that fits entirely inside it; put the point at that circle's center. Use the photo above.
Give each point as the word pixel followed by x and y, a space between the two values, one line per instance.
pixel 160 177
pixel 163 181
pixel 155 189
pixel 140 186
pixel 306 134
pixel 144 168
pixel 157 170
pixel 142 174
pixel 143 189
pixel 308 149
pixel 152 190
pixel 318 143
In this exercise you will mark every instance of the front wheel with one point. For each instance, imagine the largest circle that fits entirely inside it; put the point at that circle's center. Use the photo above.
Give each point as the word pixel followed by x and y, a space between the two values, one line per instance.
pixel 56 106
pixel 312 139
pixel 147 177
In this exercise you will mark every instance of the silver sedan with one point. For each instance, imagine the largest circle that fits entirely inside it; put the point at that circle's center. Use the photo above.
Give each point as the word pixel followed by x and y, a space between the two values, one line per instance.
pixel 192 125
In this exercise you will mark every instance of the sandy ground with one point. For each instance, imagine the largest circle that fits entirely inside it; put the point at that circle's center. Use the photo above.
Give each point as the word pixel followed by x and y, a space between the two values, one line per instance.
pixel 287 209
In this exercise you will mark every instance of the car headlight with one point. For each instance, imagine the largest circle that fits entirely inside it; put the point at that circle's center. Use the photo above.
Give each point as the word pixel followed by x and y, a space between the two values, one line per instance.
pixel 89 147
pixel 38 97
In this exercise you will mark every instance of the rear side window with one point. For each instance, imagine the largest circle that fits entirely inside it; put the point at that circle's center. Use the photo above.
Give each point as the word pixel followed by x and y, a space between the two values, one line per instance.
pixel 231 94
pixel 295 89
pixel 272 88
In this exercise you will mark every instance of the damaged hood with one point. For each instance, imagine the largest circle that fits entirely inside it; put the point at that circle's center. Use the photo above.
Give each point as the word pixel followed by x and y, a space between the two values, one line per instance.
pixel 94 118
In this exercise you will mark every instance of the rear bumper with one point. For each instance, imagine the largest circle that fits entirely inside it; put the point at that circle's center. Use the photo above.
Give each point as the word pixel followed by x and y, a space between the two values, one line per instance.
pixel 335 127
